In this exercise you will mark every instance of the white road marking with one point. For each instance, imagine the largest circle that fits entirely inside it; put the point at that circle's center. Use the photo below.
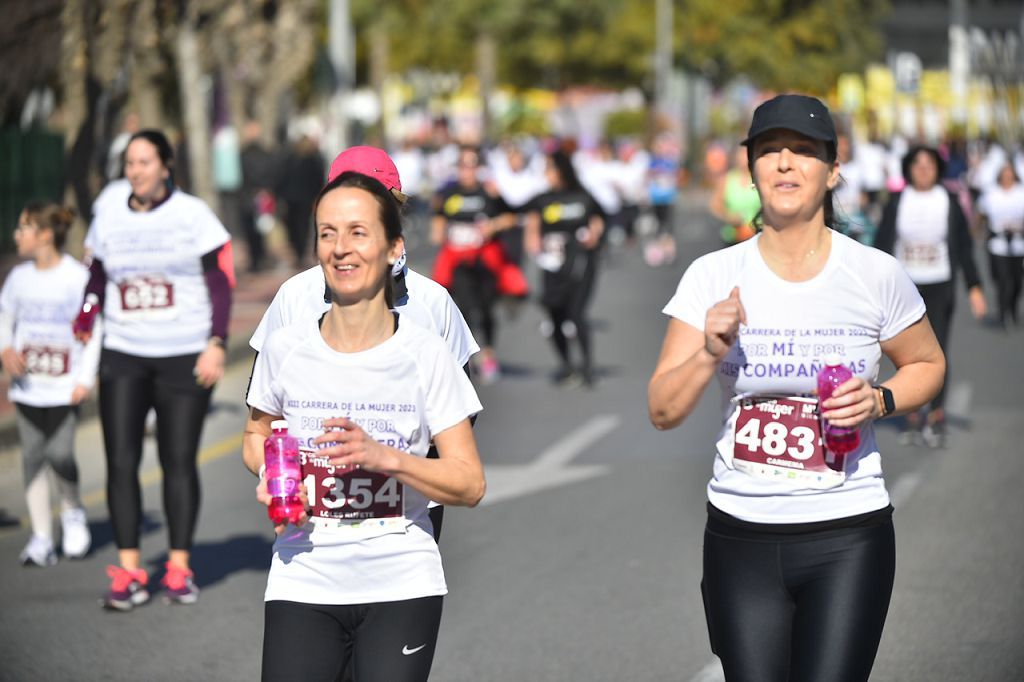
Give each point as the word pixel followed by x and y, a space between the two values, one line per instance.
pixel 958 398
pixel 712 672
pixel 903 488
pixel 552 468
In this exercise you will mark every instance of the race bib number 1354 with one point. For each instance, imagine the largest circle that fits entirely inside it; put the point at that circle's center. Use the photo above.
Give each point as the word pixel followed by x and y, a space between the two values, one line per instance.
pixel 347 494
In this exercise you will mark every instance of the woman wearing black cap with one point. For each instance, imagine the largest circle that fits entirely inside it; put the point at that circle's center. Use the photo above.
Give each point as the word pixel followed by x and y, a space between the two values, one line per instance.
pixel 924 227
pixel 799 551
pixel 161 276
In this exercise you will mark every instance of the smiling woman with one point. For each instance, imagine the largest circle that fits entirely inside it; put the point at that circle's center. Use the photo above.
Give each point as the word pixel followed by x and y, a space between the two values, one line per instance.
pixel 160 274
pixel 759 317
pixel 358 580
pixel 359 238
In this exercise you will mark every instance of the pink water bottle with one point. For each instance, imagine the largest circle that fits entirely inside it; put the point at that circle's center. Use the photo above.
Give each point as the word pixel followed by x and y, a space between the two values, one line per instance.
pixel 839 440
pixel 284 472
pixel 87 316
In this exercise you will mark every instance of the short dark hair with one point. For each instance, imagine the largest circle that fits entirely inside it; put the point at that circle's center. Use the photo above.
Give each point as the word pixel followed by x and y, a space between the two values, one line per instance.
pixel 908 161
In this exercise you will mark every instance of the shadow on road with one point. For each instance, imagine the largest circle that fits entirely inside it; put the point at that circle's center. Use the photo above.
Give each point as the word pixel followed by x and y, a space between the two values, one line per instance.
pixel 215 561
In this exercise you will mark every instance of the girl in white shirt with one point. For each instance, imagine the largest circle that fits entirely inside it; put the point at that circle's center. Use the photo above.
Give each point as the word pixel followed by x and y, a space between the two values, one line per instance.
pixel 365 391
pixel 51 374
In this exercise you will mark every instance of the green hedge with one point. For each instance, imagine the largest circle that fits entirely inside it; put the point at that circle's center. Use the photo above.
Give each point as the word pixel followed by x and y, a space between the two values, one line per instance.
pixel 31 167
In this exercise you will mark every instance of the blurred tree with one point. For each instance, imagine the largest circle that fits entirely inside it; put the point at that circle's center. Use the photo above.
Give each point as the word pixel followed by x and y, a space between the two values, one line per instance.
pixel 781 44
pixel 539 42
pixel 30 35
pixel 157 57
pixel 262 49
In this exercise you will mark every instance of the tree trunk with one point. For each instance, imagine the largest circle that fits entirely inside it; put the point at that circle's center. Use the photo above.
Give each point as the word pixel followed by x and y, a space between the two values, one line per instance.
pixel 74 66
pixel 193 101
pixel 144 94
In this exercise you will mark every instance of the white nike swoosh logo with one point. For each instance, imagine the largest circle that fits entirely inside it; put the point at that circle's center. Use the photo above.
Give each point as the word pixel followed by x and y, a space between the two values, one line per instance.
pixel 407 651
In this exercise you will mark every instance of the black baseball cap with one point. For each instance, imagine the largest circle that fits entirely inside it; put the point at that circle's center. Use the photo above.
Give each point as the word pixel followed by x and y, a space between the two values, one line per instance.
pixel 803 114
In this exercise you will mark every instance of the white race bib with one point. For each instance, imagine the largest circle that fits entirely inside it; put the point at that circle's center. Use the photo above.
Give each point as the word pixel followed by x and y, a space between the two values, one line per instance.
pixel 465 235
pixel 926 263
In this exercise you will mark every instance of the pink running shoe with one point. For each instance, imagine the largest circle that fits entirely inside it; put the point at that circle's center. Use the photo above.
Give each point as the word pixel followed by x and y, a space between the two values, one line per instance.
pixel 180 585
pixel 127 589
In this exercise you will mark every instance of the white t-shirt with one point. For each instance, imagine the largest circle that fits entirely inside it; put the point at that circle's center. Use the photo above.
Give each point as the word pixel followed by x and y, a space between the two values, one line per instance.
pixel 1004 209
pixel 37 308
pixel 860 298
pixel 922 235
pixel 428 304
pixel 156 301
pixel 870 160
pixel 517 188
pixel 404 391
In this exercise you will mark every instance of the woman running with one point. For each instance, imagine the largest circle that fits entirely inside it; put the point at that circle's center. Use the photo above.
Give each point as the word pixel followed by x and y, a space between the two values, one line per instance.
pixel 418 298
pixel 1002 209
pixel 160 275
pixel 471 263
pixel 563 231
pixel 365 390
pixel 799 550
pixel 50 373
pixel 925 228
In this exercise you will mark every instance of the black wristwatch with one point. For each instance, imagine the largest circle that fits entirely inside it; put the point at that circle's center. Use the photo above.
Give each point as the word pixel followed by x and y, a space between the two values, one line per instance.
pixel 888 404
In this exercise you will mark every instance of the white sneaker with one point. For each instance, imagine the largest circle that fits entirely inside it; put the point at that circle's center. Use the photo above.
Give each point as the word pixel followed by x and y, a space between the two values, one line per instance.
pixel 76 536
pixel 38 552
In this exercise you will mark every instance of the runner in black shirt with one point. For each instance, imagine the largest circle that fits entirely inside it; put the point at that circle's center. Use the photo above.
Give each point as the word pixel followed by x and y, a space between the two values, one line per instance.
pixel 471 264
pixel 563 230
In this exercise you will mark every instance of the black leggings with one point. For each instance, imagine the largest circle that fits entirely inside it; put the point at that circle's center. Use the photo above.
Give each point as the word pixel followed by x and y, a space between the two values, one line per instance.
pixel 800 607
pixel 566 297
pixel 938 301
pixel 1008 272
pixel 129 387
pixel 475 291
pixel 386 642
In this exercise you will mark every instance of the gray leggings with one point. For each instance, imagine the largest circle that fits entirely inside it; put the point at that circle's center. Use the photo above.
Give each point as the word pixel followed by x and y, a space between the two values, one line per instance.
pixel 48 437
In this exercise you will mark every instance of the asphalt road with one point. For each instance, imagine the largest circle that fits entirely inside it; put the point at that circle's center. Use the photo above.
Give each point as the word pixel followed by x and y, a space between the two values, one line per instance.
pixel 583 563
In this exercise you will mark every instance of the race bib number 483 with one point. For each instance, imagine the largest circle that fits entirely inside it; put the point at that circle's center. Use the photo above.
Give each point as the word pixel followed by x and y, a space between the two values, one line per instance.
pixel 346 494
pixel 780 439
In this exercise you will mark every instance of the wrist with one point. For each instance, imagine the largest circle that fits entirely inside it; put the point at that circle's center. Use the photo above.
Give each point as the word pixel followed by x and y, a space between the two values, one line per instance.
pixel 216 342
pixel 262 473
pixel 884 401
